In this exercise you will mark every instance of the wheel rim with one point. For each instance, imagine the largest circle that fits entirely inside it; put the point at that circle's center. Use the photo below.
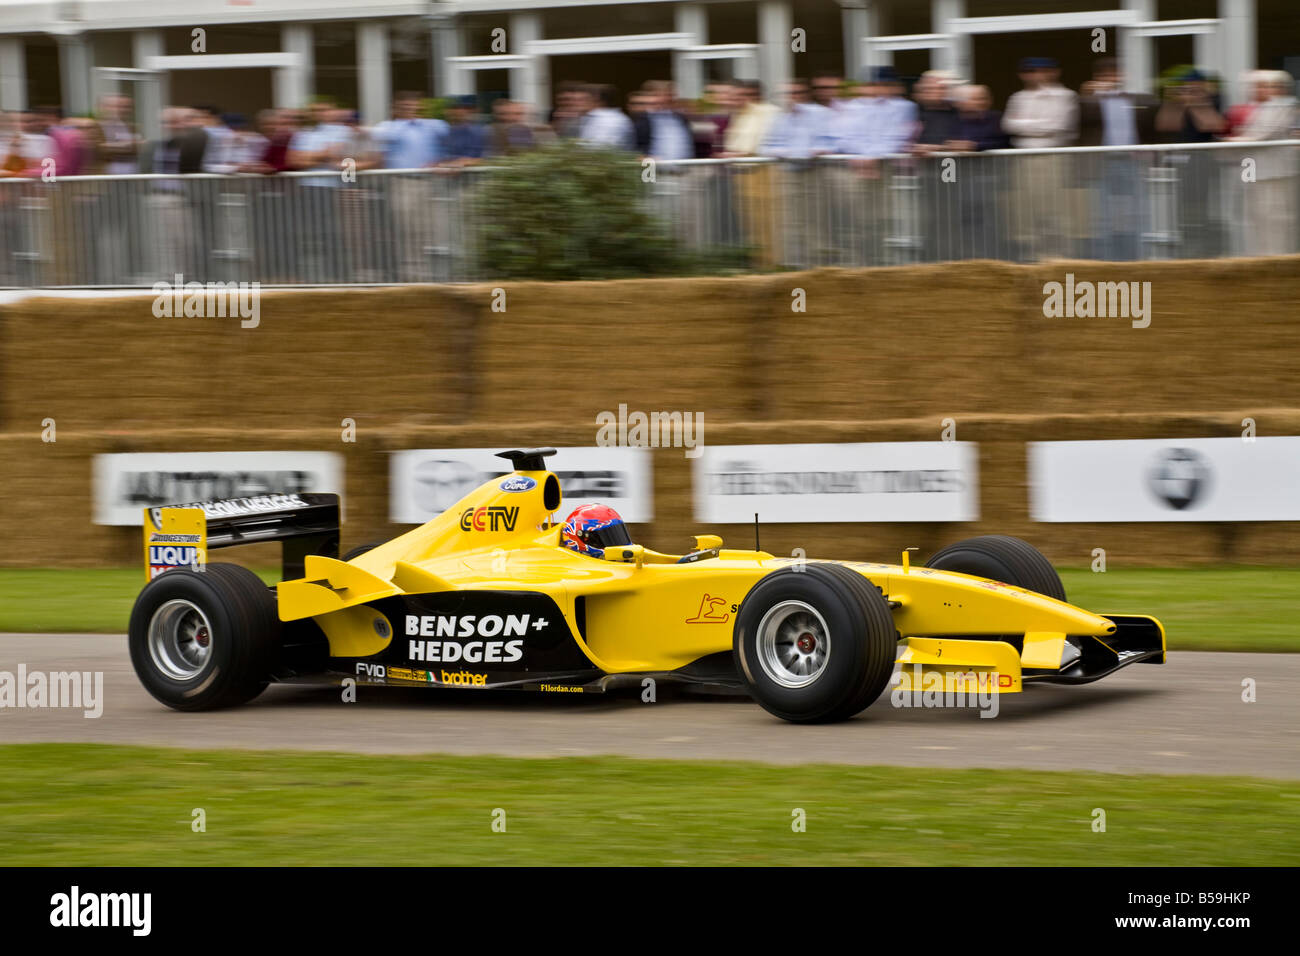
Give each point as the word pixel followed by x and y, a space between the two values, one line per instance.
pixel 793 644
pixel 180 640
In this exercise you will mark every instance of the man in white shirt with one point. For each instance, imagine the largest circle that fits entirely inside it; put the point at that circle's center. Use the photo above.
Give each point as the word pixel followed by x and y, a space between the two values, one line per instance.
pixel 1049 208
pixel 1044 114
pixel 603 123
pixel 1270 199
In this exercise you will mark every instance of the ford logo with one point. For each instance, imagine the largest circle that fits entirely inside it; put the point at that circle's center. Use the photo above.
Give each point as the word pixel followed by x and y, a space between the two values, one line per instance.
pixel 518 483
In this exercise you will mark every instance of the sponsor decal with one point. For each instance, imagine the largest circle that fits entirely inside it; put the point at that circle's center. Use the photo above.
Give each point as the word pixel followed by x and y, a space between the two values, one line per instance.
pixel 424 677
pixel 173 539
pixel 374 672
pixel 560 688
pixel 463 679
pixel 236 507
pixel 165 557
pixel 471 625
pixel 471 652
pixel 1179 477
pixel 516 483
pixel 713 610
pixel 489 518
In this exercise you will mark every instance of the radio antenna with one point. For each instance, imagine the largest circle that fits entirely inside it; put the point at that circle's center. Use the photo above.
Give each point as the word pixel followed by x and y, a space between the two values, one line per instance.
pixel 756 547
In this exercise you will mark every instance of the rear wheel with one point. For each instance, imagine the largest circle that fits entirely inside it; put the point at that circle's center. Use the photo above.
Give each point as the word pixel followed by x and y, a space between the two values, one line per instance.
pixel 815 644
pixel 201 640
pixel 1001 557
pixel 361 549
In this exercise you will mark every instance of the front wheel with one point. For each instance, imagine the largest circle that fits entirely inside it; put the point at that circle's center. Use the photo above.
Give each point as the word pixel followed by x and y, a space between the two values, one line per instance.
pixel 815 643
pixel 205 639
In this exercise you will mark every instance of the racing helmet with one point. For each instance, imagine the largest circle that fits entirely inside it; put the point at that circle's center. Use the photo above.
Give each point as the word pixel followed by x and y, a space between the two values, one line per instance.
pixel 590 529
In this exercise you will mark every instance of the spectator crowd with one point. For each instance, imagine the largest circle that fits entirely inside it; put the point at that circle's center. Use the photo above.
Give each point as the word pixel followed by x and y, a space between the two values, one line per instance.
pixel 823 115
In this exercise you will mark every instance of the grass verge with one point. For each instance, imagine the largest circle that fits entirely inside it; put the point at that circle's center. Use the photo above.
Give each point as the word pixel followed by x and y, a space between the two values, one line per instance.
pixel 79 804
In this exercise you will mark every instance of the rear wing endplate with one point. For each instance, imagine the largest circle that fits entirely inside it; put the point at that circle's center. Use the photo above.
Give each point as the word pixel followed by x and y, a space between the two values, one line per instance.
pixel 180 536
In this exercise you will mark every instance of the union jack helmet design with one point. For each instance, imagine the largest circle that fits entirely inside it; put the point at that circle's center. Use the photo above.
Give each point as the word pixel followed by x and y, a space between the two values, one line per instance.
pixel 590 529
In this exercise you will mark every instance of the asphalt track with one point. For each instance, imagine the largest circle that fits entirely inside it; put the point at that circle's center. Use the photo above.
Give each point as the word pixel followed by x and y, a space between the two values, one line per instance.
pixel 1185 717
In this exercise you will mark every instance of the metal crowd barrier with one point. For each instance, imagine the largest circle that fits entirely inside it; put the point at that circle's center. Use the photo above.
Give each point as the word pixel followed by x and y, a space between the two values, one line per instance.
pixel 1205 200
pixel 389 226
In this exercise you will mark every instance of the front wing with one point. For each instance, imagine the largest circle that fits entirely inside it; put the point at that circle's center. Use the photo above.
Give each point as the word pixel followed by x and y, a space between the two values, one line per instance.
pixel 970 665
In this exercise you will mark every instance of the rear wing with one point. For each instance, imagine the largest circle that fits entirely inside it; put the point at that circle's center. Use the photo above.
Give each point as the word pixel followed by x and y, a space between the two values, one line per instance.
pixel 180 536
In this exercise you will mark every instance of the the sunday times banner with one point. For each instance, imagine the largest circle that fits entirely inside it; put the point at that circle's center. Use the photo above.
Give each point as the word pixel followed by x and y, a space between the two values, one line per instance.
pixel 876 481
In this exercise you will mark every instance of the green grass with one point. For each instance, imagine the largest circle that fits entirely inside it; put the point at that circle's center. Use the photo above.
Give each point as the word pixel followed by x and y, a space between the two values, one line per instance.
pixel 1202 609
pixel 78 804
pixel 1238 609
pixel 70 600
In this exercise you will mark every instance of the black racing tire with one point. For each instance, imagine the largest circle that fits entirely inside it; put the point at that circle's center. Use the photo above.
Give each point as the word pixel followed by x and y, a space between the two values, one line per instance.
pixel 361 549
pixel 1001 557
pixel 227 605
pixel 859 637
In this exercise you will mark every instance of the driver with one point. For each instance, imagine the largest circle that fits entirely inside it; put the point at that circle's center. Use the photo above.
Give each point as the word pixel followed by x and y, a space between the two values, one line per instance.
pixel 590 529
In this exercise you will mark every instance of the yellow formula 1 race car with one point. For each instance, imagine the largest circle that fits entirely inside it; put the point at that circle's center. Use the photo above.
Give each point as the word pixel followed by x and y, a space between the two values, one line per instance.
pixel 488 595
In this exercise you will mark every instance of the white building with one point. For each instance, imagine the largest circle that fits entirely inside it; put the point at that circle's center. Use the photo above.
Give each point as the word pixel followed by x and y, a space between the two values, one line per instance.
pixel 246 54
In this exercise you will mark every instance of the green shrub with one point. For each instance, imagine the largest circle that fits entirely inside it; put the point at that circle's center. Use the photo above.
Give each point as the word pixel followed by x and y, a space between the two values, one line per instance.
pixel 568 211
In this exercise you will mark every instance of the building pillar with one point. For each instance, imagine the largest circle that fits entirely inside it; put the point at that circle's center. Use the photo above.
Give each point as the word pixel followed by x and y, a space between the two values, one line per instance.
pixel 872 25
pixel 1237 46
pixel 1137 55
pixel 75 65
pixel 956 57
pixel 293 85
pixel 151 93
pixel 688 73
pixel 530 83
pixel 853 28
pixel 449 41
pixel 374 76
pixel 13 74
pixel 775 58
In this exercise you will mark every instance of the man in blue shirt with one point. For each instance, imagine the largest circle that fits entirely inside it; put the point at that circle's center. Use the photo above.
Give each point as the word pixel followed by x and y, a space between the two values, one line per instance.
pixel 464 142
pixel 408 140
